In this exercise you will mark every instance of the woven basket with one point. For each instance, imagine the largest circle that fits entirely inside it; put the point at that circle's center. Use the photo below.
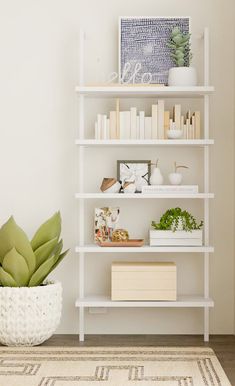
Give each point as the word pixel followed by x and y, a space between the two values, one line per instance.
pixel 29 315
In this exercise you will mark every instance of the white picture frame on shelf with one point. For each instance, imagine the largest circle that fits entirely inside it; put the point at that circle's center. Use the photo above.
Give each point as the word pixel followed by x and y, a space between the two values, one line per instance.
pixel 134 171
pixel 143 54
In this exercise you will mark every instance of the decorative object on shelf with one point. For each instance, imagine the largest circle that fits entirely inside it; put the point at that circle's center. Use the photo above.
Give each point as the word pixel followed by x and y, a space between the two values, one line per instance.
pixel 174 134
pixel 120 235
pixel 156 175
pixel 143 53
pixel 134 171
pixel 30 307
pixel 110 185
pixel 182 74
pixel 175 177
pixel 143 281
pixel 129 187
pixel 127 243
pixel 177 227
pixel 106 220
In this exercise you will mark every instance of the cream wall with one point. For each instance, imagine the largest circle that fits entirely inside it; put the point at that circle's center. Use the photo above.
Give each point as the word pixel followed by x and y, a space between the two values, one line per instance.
pixel 38 72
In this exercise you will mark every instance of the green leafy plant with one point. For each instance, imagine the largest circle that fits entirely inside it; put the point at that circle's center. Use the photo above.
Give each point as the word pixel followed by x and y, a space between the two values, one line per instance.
pixel 175 217
pixel 180 46
pixel 27 264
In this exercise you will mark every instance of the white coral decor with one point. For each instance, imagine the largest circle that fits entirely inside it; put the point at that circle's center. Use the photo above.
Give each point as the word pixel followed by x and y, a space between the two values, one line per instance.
pixel 29 315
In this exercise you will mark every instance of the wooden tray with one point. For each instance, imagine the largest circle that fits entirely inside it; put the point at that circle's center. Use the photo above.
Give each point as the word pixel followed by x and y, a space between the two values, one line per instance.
pixel 128 243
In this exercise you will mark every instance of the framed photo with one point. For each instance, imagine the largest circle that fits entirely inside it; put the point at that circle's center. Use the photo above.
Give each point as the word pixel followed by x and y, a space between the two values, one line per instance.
pixel 106 220
pixel 137 171
pixel 143 54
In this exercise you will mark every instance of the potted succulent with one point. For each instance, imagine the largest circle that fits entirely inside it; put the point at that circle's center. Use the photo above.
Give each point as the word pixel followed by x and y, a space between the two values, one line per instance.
pixel 30 308
pixel 176 227
pixel 182 74
pixel 176 177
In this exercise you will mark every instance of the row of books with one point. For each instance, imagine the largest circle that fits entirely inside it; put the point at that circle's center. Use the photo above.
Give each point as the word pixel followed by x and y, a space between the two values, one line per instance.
pixel 135 125
pixel 164 189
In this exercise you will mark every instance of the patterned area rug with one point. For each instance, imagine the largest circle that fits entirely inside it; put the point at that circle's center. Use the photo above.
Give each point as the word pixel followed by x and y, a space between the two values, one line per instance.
pixel 84 366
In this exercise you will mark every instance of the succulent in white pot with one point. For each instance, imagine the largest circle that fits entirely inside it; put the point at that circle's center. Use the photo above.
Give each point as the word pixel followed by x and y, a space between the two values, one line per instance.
pixel 30 308
pixel 176 178
pixel 182 74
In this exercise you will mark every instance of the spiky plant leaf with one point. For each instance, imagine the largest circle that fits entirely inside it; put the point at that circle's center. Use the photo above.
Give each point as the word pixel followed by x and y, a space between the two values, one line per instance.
pixel 43 253
pixel 6 279
pixel 15 264
pixel 47 231
pixel 45 268
pixel 12 236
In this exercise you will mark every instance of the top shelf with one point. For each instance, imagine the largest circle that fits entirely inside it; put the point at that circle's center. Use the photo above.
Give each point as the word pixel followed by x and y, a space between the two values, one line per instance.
pixel 146 91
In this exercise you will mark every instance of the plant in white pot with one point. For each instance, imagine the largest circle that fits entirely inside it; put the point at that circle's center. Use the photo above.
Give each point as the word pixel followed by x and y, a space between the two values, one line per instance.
pixel 182 74
pixel 176 227
pixel 30 308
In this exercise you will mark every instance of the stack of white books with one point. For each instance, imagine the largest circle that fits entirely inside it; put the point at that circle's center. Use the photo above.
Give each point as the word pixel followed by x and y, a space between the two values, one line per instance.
pixel 169 189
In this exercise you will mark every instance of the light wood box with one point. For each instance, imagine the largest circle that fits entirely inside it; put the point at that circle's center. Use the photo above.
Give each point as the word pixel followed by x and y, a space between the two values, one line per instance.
pixel 143 281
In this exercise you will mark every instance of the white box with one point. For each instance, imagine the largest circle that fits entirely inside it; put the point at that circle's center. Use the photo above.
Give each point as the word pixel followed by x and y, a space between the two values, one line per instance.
pixel 177 238
pixel 143 281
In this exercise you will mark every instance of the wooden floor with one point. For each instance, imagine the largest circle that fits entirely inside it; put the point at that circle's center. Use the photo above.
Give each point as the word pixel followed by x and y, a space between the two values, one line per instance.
pixel 223 345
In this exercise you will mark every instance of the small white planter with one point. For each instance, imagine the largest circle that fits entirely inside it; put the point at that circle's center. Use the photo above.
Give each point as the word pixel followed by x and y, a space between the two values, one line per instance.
pixel 182 76
pixel 177 238
pixel 29 315
pixel 175 178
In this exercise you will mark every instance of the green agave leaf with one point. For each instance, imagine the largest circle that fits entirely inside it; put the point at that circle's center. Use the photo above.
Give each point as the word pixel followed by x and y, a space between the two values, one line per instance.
pixel 16 266
pixel 6 279
pixel 47 231
pixel 43 253
pixel 45 268
pixel 12 236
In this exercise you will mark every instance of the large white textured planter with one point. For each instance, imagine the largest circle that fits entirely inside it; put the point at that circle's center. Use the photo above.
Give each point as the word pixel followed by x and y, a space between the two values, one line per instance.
pixel 29 315
pixel 182 76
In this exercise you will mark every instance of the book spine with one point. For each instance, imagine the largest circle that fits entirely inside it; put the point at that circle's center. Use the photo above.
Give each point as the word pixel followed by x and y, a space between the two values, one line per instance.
pixel 160 123
pixel 154 121
pixel 133 123
pixel 142 116
pixel 148 128
pixel 113 124
pixel 137 127
pixel 108 128
pixel 118 117
pixel 99 126
pixel 197 124
pixel 166 123
pixel 104 127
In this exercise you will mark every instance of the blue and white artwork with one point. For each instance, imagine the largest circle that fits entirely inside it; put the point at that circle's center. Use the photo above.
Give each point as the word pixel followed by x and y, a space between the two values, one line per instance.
pixel 143 53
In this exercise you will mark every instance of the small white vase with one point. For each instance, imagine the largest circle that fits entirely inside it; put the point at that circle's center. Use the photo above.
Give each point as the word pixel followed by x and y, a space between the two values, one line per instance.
pixel 175 178
pixel 156 177
pixel 182 76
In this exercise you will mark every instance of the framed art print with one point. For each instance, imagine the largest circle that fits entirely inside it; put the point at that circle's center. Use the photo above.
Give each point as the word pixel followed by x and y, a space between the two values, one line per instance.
pixel 136 171
pixel 106 219
pixel 143 53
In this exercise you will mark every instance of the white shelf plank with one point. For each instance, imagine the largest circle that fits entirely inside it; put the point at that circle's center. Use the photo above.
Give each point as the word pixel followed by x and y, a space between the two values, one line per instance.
pixel 142 196
pixel 182 301
pixel 145 142
pixel 145 249
pixel 146 91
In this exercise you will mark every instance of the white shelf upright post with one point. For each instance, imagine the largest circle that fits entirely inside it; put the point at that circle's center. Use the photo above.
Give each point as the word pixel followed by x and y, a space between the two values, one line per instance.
pixel 81 186
pixel 206 183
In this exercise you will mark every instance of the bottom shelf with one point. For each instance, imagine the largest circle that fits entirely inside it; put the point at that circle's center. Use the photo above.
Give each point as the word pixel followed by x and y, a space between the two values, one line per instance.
pixel 182 301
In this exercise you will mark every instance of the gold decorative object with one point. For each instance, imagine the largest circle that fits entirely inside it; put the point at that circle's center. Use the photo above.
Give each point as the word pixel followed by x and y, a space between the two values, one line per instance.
pixel 120 235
